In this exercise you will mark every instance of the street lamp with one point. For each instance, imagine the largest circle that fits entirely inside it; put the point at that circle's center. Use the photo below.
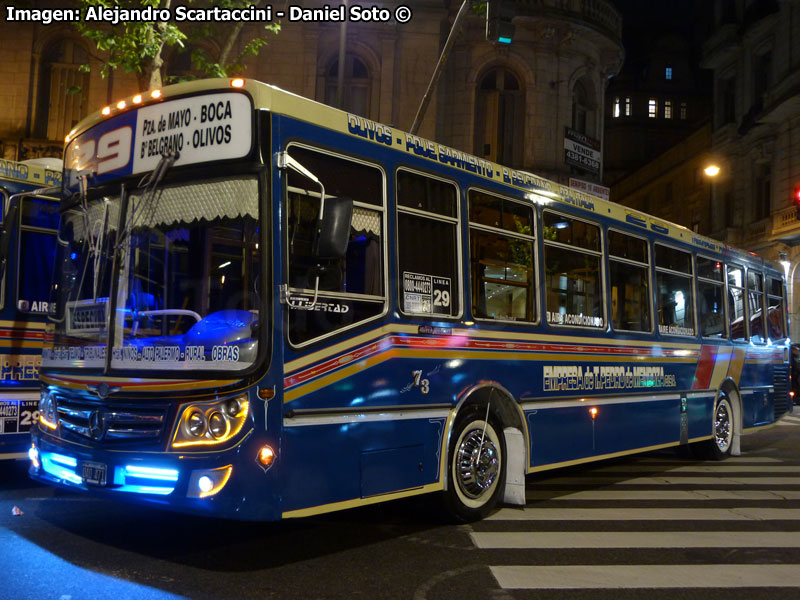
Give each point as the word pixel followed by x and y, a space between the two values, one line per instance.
pixel 712 171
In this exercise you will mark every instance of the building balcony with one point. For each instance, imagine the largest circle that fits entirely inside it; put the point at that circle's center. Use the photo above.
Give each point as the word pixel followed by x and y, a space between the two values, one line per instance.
pixel 599 14
pixel 785 225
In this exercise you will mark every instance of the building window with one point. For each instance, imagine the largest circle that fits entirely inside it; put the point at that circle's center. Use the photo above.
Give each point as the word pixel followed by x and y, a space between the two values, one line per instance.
pixel 499 118
pixel 616 107
pixel 355 86
pixel 762 75
pixel 652 108
pixel 628 106
pixel 683 111
pixel 62 89
pixel 668 73
pixel 667 109
pixel 727 100
pixel 763 186
pixel 582 108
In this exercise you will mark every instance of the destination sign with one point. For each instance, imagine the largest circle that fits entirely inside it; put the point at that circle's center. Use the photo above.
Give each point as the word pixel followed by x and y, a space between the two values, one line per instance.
pixel 200 128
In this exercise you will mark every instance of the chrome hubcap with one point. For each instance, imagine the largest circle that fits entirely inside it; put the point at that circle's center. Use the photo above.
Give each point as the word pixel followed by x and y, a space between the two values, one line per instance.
pixel 477 467
pixel 722 426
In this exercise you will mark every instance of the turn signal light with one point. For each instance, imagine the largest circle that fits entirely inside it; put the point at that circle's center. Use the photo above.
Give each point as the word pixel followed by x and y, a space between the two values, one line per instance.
pixel 265 456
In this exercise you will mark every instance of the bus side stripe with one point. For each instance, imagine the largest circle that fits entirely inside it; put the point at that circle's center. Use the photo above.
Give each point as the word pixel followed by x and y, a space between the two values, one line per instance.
pixel 721 364
pixel 736 364
pixel 705 368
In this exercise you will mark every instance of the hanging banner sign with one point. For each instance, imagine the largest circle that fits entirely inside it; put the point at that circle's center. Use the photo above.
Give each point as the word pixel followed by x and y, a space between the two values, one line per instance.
pixel 582 151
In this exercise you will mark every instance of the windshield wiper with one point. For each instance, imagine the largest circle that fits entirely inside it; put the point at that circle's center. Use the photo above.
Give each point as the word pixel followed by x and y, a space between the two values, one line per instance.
pixel 151 195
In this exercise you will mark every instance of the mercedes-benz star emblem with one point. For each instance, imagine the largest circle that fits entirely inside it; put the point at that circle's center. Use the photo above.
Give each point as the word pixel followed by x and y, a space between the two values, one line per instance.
pixel 97 424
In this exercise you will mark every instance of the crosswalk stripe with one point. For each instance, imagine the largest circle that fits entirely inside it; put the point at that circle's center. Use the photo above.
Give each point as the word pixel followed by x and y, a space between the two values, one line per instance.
pixel 745 459
pixel 628 469
pixel 675 480
pixel 590 495
pixel 646 576
pixel 646 514
pixel 635 539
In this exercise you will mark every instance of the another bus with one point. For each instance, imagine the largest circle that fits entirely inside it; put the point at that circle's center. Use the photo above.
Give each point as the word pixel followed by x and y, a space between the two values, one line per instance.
pixel 28 224
pixel 269 308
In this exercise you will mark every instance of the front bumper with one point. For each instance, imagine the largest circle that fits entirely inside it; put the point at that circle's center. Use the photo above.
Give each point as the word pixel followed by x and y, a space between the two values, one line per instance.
pixel 210 483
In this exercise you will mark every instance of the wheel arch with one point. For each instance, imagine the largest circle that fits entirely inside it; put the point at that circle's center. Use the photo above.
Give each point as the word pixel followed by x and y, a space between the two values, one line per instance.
pixel 508 412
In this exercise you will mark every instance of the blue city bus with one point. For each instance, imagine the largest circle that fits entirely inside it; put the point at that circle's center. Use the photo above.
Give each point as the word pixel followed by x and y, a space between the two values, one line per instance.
pixel 268 308
pixel 29 222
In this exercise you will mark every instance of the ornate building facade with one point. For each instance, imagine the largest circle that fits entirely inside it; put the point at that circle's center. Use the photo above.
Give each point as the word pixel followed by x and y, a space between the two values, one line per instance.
pixel 510 103
pixel 754 53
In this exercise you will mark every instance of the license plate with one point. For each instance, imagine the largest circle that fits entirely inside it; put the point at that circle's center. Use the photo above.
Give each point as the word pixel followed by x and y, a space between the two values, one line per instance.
pixel 93 473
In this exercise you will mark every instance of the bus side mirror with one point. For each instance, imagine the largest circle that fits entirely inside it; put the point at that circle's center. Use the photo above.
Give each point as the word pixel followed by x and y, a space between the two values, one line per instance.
pixel 7 232
pixel 333 229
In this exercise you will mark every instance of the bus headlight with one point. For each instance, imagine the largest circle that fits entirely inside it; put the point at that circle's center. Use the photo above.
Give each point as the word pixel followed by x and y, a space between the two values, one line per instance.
pixel 47 410
pixel 210 423
pixel 196 424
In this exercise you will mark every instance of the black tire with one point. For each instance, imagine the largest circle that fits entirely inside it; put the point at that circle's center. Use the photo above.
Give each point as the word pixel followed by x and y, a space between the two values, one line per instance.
pixel 476 474
pixel 719 446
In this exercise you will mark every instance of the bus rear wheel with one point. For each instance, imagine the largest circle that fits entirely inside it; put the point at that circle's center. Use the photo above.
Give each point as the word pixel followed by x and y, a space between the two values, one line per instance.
pixel 476 466
pixel 719 447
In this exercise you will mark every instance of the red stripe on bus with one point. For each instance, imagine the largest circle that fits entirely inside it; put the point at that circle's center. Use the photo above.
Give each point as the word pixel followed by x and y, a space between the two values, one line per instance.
pixel 705 367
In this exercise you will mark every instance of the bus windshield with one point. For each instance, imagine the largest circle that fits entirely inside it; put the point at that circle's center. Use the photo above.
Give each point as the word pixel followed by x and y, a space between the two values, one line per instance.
pixel 187 290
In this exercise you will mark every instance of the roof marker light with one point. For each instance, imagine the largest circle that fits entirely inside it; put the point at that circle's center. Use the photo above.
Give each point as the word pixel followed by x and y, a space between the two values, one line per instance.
pixel 121 104
pixel 155 94
pixel 106 111
pixel 237 83
pixel 137 99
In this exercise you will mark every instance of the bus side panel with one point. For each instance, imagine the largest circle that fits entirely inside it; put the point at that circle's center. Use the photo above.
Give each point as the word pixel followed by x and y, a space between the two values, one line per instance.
pixel 628 426
pixel 700 410
pixel 357 458
pixel 565 434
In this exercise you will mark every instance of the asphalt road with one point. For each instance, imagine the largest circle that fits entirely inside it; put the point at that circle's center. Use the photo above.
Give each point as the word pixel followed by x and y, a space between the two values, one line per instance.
pixel 652 526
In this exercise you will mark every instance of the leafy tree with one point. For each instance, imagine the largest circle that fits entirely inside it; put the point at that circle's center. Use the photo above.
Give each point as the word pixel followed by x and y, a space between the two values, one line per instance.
pixel 138 47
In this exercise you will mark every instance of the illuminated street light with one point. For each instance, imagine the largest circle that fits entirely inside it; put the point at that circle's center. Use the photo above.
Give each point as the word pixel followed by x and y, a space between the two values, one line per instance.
pixel 711 170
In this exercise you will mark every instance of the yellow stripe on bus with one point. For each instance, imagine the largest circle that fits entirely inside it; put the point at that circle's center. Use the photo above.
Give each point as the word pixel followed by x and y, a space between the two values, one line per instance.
pixel 356 502
pixel 736 364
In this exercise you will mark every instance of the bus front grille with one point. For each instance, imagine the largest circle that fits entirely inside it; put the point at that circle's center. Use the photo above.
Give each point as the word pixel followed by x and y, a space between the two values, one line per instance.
pixel 109 422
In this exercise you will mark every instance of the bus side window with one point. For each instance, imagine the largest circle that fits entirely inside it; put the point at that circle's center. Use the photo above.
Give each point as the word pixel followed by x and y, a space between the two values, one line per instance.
pixel 572 254
pixel 674 291
pixel 736 303
pixel 776 321
pixel 501 258
pixel 427 238
pixel 629 265
pixel 710 303
pixel 36 257
pixel 755 303
pixel 351 289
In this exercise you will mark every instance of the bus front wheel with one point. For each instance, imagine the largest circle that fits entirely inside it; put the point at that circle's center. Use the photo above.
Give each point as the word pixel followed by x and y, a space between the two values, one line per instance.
pixel 476 465
pixel 719 447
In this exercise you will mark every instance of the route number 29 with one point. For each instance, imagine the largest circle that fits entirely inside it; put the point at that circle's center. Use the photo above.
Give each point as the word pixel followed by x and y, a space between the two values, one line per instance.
pixel 110 152
pixel 27 418
pixel 441 298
